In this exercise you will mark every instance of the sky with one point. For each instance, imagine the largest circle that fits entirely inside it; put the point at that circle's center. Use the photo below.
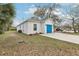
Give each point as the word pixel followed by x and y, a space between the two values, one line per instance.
pixel 23 12
pixel 26 10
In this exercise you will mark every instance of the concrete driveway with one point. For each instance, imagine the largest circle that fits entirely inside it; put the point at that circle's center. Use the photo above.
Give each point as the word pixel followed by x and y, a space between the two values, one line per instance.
pixel 64 37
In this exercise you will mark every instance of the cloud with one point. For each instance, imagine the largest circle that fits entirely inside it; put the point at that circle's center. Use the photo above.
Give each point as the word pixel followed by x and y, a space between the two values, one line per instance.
pixel 33 5
pixel 75 5
pixel 16 22
pixel 30 10
pixel 59 12
pixel 57 9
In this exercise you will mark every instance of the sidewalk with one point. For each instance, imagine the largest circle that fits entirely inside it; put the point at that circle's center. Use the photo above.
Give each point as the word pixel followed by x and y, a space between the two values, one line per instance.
pixel 64 37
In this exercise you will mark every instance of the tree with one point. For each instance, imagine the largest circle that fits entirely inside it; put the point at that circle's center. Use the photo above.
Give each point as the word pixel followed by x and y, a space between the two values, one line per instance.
pixel 77 24
pixel 73 24
pixel 74 14
pixel 47 11
pixel 40 12
pixel 7 12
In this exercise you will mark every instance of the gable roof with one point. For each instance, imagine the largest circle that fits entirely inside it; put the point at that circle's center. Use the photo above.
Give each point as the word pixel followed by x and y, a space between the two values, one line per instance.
pixel 32 19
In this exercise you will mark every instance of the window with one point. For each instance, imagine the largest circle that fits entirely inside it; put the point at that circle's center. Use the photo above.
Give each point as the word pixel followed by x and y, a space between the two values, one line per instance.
pixel 35 27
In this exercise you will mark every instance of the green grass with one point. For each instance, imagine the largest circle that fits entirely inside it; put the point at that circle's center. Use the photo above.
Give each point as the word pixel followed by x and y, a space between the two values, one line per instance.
pixel 34 45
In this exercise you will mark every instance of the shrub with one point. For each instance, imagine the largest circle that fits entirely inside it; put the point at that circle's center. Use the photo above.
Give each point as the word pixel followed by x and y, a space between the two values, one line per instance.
pixel 1 32
pixel 30 34
pixel 40 33
pixel 12 29
pixel 20 31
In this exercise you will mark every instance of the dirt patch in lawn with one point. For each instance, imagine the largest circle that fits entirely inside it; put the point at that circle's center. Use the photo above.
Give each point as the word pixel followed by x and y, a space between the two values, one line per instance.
pixel 17 44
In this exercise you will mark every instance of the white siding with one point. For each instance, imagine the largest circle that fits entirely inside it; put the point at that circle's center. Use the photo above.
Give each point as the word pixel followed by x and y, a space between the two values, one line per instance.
pixel 30 27
pixel 42 27
pixel 24 27
pixel 27 27
pixel 18 28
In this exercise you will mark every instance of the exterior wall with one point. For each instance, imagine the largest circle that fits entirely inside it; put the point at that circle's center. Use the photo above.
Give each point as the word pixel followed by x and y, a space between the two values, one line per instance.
pixel 42 27
pixel 18 28
pixel 30 27
pixel 48 21
pixel 27 27
pixel 23 27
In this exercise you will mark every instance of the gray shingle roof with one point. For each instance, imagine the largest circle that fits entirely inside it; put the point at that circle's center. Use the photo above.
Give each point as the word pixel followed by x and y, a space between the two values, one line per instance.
pixel 32 19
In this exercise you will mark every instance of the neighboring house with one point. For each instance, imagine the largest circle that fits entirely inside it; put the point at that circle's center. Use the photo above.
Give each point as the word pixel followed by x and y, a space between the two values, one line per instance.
pixel 34 25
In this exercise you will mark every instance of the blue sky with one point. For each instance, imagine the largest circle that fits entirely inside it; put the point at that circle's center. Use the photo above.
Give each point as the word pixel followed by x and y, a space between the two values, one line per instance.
pixel 21 9
pixel 26 10
pixel 23 12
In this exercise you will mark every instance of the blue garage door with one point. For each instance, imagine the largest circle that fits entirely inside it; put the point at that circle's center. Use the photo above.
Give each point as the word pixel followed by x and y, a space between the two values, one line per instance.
pixel 49 28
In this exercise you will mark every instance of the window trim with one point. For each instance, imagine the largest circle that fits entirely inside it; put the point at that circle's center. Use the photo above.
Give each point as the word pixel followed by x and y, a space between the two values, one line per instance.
pixel 35 27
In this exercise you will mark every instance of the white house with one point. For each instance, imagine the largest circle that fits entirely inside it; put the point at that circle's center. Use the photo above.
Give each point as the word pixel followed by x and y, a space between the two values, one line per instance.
pixel 34 25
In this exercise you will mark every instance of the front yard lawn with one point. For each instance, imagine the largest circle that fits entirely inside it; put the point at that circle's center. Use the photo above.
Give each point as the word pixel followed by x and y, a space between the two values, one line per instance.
pixel 13 43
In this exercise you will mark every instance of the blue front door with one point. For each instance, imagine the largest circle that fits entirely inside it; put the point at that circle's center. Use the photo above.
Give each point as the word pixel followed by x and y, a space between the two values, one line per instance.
pixel 49 28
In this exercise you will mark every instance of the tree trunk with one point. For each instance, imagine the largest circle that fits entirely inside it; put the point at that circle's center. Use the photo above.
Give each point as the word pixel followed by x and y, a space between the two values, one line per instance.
pixel 78 27
pixel 73 23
